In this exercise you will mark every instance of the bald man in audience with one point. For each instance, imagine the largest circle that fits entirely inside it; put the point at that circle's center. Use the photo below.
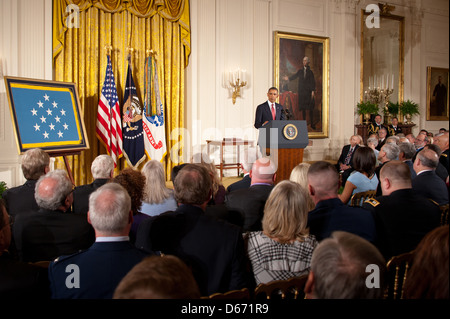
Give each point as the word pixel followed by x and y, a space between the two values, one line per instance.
pixel 402 216
pixel 427 182
pixel 330 213
pixel 250 202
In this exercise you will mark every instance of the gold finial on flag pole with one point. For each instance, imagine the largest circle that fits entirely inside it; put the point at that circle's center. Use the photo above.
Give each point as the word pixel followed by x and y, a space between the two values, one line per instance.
pixel 151 53
pixel 108 49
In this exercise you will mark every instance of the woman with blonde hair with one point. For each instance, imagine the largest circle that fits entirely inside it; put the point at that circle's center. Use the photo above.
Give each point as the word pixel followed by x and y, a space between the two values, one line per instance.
pixel 283 249
pixel 299 175
pixel 158 198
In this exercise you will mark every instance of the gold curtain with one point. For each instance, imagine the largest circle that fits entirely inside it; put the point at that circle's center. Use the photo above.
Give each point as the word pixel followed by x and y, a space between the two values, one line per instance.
pixel 79 56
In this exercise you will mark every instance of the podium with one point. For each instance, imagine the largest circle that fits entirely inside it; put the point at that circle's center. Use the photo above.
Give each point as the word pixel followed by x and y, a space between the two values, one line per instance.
pixel 284 142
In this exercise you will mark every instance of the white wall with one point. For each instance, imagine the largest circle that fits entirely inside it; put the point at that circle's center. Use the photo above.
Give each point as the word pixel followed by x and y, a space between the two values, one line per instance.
pixel 25 51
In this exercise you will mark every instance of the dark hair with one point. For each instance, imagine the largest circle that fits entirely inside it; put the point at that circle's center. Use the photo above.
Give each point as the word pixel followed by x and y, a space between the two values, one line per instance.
pixel 428 277
pixel 2 220
pixel 175 171
pixel 364 160
pixel 435 148
pixel 134 182
pixel 272 88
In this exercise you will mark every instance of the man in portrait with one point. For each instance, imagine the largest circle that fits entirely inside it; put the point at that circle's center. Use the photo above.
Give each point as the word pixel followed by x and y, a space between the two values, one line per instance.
pixel 440 99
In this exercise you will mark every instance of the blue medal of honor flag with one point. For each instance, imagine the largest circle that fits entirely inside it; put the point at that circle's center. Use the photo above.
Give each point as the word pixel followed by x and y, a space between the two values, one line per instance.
pixel 46 116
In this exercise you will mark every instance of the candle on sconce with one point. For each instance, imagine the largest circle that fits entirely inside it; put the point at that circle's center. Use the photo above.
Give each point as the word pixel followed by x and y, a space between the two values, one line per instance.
pixel 244 77
pixel 392 83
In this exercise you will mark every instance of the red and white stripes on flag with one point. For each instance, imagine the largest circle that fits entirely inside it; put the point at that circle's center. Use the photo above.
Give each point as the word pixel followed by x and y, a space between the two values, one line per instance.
pixel 109 125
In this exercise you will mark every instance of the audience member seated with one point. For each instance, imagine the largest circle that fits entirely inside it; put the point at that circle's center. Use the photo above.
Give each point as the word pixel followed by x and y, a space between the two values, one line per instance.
pixel 441 140
pixel 405 155
pixel 250 155
pixel 158 198
pixel 372 142
pixel 134 183
pixel 250 202
pixel 213 249
pixel 299 174
pixel 428 277
pixel 440 170
pixel 345 161
pixel 100 268
pixel 393 128
pixel 157 277
pixel 20 199
pixel 442 130
pixel 284 247
pixel 427 183
pixel 102 169
pixel 330 213
pixel 218 190
pixel 389 152
pixel 402 216
pixel 382 137
pixel 393 140
pixel 411 138
pixel 419 142
pixel 53 230
pixel 376 125
pixel 363 178
pixel 19 280
pixel 339 269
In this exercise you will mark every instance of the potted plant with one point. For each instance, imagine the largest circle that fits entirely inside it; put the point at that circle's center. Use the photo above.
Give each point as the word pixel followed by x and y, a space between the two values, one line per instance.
pixel 366 108
pixel 409 108
pixel 3 188
pixel 393 108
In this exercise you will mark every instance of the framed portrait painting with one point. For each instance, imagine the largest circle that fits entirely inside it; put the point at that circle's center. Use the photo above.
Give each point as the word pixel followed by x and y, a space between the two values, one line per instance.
pixel 301 70
pixel 46 115
pixel 437 94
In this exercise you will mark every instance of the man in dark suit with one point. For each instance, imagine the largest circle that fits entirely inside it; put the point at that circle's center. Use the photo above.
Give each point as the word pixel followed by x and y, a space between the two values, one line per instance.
pixel 330 213
pixel 345 161
pixel 376 125
pixel 440 170
pixel 389 152
pixel 394 129
pixel 382 137
pixel 102 169
pixel 427 183
pixel 18 280
pixel 250 202
pixel 269 110
pixel 402 216
pixel 213 249
pixel 99 269
pixel 407 151
pixel 306 90
pixel 20 199
pixel 249 157
pixel 53 230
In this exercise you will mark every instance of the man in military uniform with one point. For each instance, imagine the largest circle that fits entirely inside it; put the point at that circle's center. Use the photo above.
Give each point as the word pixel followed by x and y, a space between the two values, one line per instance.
pixel 402 217
pixel 375 126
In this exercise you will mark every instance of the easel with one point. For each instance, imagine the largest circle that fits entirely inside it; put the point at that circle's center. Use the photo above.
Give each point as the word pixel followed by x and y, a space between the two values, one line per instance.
pixel 66 161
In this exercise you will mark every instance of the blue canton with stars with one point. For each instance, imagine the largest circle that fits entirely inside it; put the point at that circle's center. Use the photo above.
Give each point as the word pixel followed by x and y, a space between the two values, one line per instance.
pixel 45 116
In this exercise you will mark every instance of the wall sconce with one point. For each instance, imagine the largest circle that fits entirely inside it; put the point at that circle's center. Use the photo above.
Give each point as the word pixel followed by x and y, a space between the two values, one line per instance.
pixel 234 80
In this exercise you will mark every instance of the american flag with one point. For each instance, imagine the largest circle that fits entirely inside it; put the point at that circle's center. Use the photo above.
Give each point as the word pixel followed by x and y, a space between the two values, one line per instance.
pixel 109 126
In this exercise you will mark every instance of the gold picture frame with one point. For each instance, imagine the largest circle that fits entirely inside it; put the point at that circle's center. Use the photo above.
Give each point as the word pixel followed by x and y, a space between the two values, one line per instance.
pixel 289 52
pixel 437 94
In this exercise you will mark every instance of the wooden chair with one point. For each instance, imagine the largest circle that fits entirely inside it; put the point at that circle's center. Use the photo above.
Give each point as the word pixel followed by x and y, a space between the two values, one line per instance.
pixel 358 199
pixel 244 293
pixel 397 272
pixel 292 288
pixel 444 214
